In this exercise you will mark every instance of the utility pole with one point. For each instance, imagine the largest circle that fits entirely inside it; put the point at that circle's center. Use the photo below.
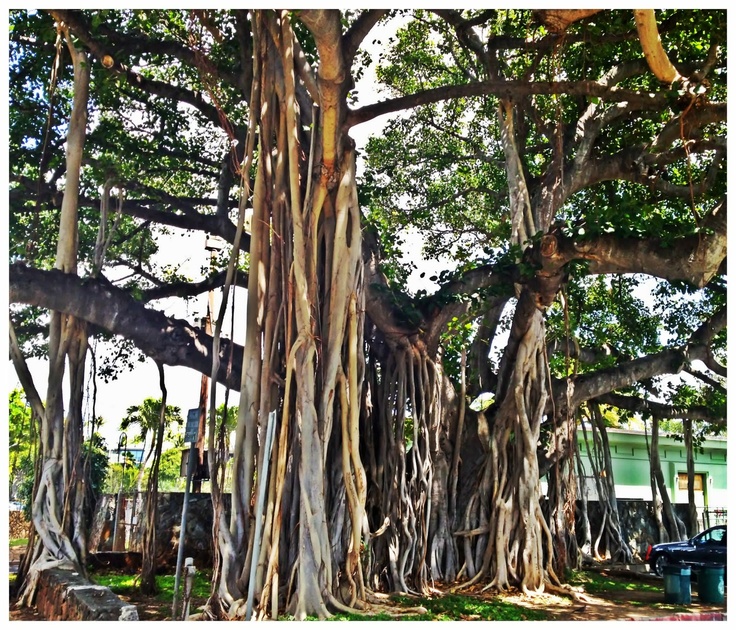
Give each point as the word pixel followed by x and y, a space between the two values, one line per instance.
pixel 212 245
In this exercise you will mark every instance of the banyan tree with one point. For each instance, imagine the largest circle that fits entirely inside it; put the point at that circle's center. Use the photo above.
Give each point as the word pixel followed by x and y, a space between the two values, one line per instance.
pixel 557 158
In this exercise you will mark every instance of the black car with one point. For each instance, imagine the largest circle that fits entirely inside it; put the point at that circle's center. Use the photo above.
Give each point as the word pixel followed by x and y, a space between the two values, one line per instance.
pixel 708 547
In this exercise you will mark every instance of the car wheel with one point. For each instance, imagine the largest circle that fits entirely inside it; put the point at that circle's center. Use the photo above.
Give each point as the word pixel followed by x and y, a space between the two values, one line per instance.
pixel 659 564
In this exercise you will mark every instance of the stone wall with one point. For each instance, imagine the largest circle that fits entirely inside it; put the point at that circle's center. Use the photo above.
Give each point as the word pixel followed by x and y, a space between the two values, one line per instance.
pixel 64 595
pixel 636 520
pixel 17 525
pixel 198 539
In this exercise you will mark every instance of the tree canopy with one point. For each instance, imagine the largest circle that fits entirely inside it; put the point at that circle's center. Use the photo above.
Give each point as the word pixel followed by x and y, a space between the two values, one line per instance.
pixel 571 166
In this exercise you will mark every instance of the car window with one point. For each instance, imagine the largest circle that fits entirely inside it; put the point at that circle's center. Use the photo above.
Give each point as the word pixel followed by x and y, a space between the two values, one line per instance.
pixel 715 536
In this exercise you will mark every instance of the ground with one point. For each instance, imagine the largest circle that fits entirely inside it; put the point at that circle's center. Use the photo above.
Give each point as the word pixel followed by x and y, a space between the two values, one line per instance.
pixel 636 603
pixel 641 598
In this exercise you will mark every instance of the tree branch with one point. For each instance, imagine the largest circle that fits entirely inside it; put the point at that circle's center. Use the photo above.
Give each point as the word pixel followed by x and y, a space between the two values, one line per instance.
pixel 511 90
pixel 669 361
pixel 165 339
pixel 557 20
pixel 24 374
pixel 352 40
pixel 190 289
pixel 695 258
pixel 661 410
pixel 158 88
pixel 651 45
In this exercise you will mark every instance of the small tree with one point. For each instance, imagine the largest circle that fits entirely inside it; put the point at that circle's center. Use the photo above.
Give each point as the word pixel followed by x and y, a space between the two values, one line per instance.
pixel 22 439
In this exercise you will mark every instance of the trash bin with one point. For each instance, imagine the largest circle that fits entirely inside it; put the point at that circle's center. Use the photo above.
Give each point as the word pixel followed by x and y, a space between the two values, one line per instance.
pixel 677 584
pixel 711 588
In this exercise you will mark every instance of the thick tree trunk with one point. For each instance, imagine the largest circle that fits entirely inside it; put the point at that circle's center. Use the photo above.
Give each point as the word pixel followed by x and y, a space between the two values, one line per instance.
pixel 519 550
pixel 611 541
pixel 675 527
pixel 656 499
pixel 301 354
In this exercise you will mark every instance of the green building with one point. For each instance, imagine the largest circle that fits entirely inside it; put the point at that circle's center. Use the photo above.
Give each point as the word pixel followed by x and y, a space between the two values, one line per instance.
pixel 630 466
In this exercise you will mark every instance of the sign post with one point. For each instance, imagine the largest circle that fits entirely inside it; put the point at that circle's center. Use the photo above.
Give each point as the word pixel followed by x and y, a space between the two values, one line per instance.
pixel 190 436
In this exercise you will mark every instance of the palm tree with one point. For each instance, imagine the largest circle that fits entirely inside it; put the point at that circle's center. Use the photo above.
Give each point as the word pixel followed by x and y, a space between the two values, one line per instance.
pixel 145 417
pixel 152 416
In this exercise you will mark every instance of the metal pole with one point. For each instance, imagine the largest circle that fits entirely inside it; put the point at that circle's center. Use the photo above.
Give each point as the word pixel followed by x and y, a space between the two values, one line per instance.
pixel 122 443
pixel 262 481
pixel 182 532
pixel 203 389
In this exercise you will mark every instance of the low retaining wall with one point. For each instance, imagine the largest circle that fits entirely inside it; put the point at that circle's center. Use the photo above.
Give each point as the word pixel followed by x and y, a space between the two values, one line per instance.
pixel 65 595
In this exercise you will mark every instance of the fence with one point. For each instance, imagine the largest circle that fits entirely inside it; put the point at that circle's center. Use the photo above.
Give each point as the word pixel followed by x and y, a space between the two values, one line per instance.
pixel 714 516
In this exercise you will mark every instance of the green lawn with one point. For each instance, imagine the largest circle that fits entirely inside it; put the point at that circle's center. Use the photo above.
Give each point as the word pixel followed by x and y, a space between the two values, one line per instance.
pixel 596 583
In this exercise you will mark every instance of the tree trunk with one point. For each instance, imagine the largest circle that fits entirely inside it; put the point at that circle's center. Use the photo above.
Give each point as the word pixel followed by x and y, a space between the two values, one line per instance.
pixel 585 536
pixel 58 510
pixel 301 353
pixel 668 523
pixel 692 510
pixel 519 549
pixel 616 546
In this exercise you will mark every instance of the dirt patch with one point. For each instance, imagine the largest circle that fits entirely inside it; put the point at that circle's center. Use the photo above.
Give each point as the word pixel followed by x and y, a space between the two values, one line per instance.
pixel 645 600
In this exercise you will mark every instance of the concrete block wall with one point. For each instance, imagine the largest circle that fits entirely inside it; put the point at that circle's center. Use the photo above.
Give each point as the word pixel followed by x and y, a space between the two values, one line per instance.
pixel 65 595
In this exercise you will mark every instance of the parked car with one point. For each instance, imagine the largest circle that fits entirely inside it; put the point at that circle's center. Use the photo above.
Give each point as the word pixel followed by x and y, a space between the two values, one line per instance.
pixel 708 547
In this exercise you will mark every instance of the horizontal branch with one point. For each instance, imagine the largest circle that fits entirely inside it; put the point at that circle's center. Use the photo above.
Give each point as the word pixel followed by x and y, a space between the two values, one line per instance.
pixel 661 410
pixel 625 374
pixel 190 289
pixel 191 219
pixel 165 339
pixel 695 258
pixel 511 90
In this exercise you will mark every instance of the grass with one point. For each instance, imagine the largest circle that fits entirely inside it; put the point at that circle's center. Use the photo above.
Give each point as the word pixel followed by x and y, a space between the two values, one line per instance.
pixel 451 608
pixel 448 607
pixel 465 607
pixel 18 542
pixel 128 584
pixel 595 583
pixel 445 608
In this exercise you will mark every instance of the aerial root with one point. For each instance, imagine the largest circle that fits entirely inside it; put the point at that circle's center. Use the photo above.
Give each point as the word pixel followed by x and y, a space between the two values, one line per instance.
pixel 566 590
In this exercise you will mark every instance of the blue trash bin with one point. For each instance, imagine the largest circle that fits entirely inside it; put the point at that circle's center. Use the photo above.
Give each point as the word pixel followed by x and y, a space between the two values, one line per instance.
pixel 677 584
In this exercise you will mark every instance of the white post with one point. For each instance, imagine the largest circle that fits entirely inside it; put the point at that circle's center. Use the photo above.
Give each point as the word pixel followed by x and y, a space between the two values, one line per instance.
pixel 190 572
pixel 262 479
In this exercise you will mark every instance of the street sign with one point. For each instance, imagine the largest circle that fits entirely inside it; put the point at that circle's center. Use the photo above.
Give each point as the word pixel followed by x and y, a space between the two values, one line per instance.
pixel 192 430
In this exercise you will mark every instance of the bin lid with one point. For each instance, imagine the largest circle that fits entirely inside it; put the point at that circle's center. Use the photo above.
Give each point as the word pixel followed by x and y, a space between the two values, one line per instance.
pixel 676 569
pixel 707 565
